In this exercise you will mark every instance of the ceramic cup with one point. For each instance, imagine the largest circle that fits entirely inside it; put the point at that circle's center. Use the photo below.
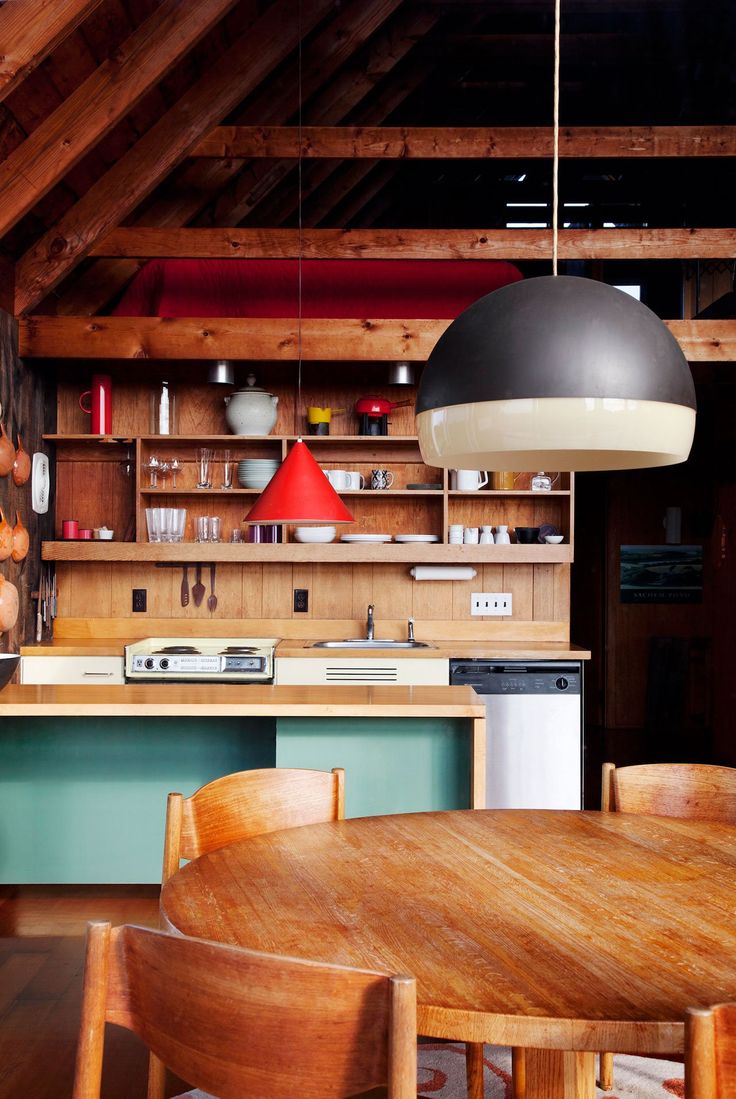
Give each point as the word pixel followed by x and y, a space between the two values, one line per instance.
pixel 470 536
pixel 355 480
pixel 338 478
pixel 455 534
pixel 381 478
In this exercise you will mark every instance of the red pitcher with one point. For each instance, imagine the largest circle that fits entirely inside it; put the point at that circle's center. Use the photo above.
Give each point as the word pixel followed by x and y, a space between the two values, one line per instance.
pixel 100 409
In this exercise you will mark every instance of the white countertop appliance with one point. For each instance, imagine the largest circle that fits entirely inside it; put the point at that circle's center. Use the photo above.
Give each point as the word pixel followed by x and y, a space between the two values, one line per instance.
pixel 534 730
pixel 205 659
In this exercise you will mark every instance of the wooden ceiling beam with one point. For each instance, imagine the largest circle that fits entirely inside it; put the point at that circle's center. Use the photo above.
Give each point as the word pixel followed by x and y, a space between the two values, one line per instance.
pixel 196 184
pixel 30 31
pixel 100 101
pixel 276 338
pixel 475 244
pixel 448 142
pixel 236 73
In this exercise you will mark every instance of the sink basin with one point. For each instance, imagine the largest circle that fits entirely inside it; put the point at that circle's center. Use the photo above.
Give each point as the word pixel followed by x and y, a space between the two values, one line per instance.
pixel 364 643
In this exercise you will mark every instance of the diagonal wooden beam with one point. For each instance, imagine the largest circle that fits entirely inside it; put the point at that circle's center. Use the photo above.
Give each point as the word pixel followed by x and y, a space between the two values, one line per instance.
pixel 30 30
pixel 331 47
pixel 277 338
pixel 480 142
pixel 100 101
pixel 236 73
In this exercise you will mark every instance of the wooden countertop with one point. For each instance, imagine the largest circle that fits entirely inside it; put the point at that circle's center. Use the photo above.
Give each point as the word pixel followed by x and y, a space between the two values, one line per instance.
pixel 233 700
pixel 291 647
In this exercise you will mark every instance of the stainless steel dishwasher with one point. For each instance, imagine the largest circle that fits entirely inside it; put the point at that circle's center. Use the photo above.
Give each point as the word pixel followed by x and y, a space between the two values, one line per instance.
pixel 534 741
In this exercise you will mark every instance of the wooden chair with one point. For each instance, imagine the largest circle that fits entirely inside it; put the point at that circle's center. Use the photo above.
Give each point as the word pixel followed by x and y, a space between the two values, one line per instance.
pixel 240 1024
pixel 710 1052
pixel 248 803
pixel 694 791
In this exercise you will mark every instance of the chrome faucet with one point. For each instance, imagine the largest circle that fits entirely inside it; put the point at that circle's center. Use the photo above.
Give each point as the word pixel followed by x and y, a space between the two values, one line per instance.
pixel 369 624
pixel 410 630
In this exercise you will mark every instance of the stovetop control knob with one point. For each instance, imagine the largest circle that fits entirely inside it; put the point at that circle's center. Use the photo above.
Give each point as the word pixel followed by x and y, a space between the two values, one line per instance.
pixel 149 662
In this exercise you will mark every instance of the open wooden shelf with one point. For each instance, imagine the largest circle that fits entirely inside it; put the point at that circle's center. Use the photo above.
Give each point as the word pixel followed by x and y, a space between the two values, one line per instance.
pixel 417 553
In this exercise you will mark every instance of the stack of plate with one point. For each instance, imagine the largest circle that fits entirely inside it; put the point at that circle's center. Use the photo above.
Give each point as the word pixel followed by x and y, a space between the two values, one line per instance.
pixel 256 472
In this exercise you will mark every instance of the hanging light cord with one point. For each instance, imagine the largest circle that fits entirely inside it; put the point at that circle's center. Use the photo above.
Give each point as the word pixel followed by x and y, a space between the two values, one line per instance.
pixel 300 229
pixel 556 138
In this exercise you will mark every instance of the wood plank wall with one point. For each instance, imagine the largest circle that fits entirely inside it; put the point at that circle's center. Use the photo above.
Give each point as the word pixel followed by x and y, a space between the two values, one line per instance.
pixel 27 404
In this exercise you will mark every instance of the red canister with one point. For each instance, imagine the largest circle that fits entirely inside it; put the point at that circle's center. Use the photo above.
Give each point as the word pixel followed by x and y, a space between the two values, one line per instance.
pixel 100 404
pixel 70 528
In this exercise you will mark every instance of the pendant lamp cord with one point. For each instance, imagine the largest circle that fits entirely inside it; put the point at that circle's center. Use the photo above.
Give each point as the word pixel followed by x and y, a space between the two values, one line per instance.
pixel 556 137
pixel 300 227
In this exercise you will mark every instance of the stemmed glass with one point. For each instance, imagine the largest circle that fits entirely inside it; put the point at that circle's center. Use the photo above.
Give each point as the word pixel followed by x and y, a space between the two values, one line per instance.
pixel 174 466
pixel 153 465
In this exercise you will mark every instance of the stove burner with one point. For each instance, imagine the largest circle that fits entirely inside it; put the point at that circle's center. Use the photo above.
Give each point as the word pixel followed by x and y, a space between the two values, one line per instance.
pixel 182 650
pixel 238 650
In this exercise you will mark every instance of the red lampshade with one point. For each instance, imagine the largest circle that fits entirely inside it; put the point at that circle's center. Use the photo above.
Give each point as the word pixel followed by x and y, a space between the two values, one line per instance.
pixel 299 493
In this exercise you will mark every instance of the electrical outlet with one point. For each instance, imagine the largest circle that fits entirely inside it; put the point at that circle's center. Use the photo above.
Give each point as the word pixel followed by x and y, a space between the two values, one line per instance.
pixel 490 602
pixel 139 599
pixel 301 599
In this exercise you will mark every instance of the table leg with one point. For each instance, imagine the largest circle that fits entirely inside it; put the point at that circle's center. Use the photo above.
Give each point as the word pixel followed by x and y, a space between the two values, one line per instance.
pixel 474 1069
pixel 478 763
pixel 559 1074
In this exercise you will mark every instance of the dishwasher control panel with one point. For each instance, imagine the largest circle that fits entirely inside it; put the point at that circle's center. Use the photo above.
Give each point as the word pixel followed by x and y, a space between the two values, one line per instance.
pixel 537 678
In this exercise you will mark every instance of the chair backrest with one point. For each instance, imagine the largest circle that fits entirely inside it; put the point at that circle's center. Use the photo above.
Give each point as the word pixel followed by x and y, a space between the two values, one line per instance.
pixel 249 803
pixel 694 791
pixel 241 1024
pixel 710 1052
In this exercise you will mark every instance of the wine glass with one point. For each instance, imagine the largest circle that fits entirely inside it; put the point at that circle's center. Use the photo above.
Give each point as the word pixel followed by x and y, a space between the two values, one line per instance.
pixel 153 465
pixel 174 466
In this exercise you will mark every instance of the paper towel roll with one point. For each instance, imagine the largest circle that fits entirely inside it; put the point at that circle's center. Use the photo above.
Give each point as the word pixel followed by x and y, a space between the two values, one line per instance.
pixel 442 572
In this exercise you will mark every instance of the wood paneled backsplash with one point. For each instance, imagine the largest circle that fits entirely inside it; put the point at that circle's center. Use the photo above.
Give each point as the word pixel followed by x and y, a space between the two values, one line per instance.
pixel 265 591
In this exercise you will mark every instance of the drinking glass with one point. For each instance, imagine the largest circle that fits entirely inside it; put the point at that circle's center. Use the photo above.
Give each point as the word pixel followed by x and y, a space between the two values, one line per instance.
pixel 236 535
pixel 203 528
pixel 152 465
pixel 178 524
pixel 227 469
pixel 165 517
pixel 214 528
pixel 174 466
pixel 153 524
pixel 204 459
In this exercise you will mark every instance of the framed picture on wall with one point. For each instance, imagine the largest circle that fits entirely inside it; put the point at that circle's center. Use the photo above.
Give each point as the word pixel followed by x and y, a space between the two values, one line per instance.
pixel 661 574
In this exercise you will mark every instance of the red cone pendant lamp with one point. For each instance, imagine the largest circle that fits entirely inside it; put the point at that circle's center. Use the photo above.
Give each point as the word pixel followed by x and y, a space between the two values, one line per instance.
pixel 299 493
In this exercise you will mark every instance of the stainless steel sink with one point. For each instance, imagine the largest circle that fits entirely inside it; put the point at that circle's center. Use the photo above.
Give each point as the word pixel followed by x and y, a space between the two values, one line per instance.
pixel 377 643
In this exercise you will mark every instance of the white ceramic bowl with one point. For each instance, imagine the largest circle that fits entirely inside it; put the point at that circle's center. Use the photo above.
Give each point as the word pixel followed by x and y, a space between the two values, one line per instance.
pixel 314 534
pixel 553 539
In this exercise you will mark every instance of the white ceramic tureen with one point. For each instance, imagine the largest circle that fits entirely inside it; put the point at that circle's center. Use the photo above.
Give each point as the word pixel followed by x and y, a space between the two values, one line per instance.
pixel 251 411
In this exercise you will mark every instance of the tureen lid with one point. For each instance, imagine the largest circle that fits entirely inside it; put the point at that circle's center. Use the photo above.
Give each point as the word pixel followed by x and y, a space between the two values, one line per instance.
pixel 252 389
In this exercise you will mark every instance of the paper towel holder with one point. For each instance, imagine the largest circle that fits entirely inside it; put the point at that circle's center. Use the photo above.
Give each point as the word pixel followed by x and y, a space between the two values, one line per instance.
pixel 442 572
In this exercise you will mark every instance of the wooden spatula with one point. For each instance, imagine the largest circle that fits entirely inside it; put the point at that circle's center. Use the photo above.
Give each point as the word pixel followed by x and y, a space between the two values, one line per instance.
pixel 198 588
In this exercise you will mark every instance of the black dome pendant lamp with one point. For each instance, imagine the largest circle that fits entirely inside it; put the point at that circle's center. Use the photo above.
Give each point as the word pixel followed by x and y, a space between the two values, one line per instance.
pixel 558 373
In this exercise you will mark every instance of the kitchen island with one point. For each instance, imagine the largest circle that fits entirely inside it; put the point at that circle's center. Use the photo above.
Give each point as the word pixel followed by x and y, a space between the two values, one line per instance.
pixel 85 770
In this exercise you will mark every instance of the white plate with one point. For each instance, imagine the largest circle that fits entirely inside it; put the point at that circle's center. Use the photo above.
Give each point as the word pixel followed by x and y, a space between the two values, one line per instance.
pixel 365 538
pixel 416 538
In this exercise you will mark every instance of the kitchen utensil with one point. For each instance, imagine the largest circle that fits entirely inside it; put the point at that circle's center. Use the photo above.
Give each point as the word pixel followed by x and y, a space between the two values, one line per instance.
pixel 20 539
pixel 100 409
pixel 553 539
pixel 338 478
pixel 198 588
pixel 40 483
pixel 103 534
pixel 8 604
pixel 251 411
pixel 356 480
pixel 185 586
pixel 377 406
pixel 21 465
pixel 212 600
pixel 470 480
pixel 6 537
pixel 7 452
pixel 470 536
pixel 314 534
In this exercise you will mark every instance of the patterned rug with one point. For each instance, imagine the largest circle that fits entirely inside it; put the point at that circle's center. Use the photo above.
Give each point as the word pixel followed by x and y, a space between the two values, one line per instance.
pixel 442 1075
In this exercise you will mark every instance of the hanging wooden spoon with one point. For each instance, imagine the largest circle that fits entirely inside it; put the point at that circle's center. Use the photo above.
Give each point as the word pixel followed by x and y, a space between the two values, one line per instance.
pixel 6 537
pixel 20 539
pixel 7 452
pixel 8 605
pixel 21 465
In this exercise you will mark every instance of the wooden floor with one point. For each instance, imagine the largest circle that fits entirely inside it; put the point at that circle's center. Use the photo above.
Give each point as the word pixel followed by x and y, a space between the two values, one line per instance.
pixel 41 962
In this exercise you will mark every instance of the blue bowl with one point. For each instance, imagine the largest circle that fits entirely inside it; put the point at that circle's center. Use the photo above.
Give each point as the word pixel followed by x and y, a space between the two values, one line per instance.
pixel 8 663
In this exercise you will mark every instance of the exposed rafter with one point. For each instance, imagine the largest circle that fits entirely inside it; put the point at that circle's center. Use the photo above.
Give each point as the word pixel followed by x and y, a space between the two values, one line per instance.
pixel 30 31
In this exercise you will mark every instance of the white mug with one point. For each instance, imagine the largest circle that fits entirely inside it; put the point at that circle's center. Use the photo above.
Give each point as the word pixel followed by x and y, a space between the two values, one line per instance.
pixel 355 480
pixel 455 534
pixel 470 480
pixel 338 478
pixel 470 536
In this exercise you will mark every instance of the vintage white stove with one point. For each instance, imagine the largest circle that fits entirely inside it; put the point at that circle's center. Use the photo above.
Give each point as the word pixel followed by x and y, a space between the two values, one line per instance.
pixel 206 659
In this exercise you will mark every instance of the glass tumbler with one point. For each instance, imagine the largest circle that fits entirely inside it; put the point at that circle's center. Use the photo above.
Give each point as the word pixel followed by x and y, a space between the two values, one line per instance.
pixel 153 524
pixel 203 528
pixel 178 524
pixel 204 463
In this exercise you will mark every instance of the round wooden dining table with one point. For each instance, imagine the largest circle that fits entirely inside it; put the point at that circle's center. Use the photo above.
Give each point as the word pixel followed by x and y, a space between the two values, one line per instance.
pixel 560 932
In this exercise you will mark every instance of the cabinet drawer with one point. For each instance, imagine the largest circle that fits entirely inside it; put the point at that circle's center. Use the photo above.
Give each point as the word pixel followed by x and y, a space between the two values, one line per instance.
pixel 71 669
pixel 348 671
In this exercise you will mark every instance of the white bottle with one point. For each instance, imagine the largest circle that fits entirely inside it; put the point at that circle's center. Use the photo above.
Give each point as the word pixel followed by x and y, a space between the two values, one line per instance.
pixel 541 482
pixel 502 535
pixel 486 536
